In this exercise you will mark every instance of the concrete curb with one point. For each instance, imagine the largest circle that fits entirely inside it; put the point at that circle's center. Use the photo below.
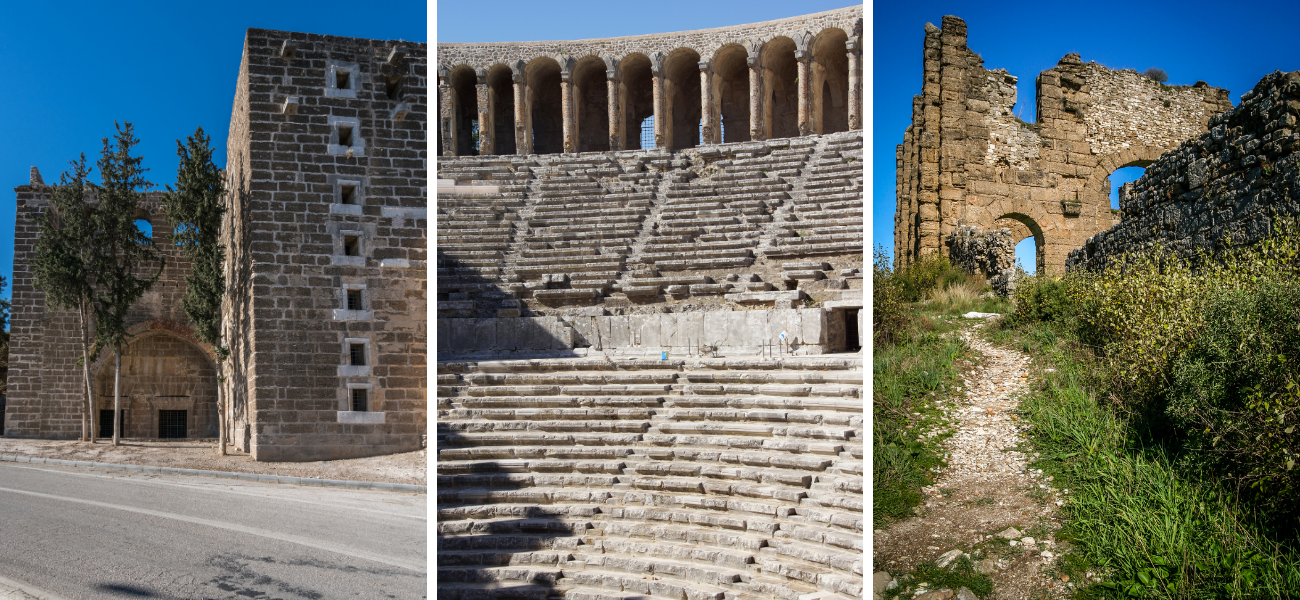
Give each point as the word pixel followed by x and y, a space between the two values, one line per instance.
pixel 356 485
pixel 17 590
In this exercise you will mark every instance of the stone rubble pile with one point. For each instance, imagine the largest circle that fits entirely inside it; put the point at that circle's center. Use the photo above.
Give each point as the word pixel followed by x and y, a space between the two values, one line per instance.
pixel 991 253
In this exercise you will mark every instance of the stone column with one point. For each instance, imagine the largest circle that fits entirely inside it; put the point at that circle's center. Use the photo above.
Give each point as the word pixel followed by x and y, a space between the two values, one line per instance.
pixel 805 114
pixel 485 141
pixel 707 124
pixel 855 84
pixel 755 97
pixel 445 121
pixel 657 92
pixel 523 145
pixel 567 113
pixel 615 110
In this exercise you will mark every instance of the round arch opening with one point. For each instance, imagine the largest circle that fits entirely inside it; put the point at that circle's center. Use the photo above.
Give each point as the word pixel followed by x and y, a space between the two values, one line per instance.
pixel 168 389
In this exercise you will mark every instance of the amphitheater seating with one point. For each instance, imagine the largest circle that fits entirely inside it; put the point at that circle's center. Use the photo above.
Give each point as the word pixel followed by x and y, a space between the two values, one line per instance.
pixel 702 478
pixel 644 225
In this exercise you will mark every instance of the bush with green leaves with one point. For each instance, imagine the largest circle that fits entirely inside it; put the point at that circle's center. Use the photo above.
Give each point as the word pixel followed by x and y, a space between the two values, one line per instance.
pixel 889 318
pixel 1041 299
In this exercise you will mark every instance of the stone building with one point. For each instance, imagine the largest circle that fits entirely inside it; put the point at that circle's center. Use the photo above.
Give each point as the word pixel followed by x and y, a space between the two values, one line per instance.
pixel 650 315
pixel 326 251
pixel 967 160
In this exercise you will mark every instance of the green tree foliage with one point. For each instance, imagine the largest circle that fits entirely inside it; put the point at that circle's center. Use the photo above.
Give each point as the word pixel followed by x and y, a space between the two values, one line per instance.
pixel 63 265
pixel 123 252
pixel 195 208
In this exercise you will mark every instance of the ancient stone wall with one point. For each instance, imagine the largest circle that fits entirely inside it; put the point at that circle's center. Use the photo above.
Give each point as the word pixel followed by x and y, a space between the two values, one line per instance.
pixel 988 253
pixel 1228 183
pixel 966 159
pixel 783 78
pixel 328 178
pixel 46 389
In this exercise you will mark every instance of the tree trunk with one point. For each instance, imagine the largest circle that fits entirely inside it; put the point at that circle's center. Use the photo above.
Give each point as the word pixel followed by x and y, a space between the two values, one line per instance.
pixel 88 430
pixel 117 393
pixel 222 421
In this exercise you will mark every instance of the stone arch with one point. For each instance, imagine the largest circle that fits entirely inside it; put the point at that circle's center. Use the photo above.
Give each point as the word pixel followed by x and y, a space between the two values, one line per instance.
pixel 1023 226
pixel 635 97
pixel 164 367
pixel 543 105
pixel 591 100
pixel 731 92
pixel 682 99
pixel 780 104
pixel 1097 189
pixel 464 109
pixel 829 80
pixel 501 97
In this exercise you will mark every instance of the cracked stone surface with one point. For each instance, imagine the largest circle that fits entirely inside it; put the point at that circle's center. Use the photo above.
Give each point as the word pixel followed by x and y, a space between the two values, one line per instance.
pixel 985 488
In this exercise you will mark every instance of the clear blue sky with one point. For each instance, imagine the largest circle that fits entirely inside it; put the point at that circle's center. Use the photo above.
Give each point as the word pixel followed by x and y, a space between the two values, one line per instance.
pixel 69 69
pixel 1227 45
pixel 531 21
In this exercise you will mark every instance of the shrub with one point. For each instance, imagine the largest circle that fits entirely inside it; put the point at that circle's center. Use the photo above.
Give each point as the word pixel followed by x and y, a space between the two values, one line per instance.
pixel 1041 299
pixel 889 318
pixel 1156 74
pixel 932 271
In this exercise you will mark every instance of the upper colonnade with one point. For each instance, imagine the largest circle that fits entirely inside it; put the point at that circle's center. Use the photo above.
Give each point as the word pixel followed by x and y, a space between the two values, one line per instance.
pixel 784 78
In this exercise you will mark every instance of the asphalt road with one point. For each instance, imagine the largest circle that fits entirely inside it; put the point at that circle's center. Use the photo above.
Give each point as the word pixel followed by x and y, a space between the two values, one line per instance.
pixel 80 533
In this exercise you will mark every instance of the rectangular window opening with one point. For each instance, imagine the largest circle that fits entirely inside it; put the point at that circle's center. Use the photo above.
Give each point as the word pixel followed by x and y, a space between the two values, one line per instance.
pixel 357 354
pixel 359 403
pixel 106 423
pixel 354 300
pixel 343 80
pixel 348 193
pixel 351 245
pixel 393 89
pixel 345 135
pixel 172 424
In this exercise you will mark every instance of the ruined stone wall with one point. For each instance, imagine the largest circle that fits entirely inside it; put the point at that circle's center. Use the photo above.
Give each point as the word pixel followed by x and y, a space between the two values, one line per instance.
pixel 329 184
pixel 966 159
pixel 1230 182
pixel 46 389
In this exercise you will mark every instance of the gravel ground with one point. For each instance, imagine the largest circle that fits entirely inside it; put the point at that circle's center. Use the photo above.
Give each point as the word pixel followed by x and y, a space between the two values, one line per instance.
pixel 408 467
pixel 986 503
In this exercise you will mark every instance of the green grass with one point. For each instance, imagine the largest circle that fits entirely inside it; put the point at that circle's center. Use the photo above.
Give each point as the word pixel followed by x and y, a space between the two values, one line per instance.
pixel 1133 514
pixel 960 574
pixel 909 379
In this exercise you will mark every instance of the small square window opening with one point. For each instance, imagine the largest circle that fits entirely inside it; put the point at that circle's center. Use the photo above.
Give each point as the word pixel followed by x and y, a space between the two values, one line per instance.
pixel 347 193
pixel 357 354
pixel 351 245
pixel 354 300
pixel 393 87
pixel 345 135
pixel 359 400
pixel 343 80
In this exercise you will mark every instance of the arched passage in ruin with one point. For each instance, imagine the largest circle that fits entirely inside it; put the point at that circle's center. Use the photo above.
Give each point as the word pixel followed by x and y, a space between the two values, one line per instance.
pixel 731 92
pixel 780 88
pixel 464 109
pixel 1098 187
pixel 1024 227
pixel 636 97
pixel 829 80
pixel 543 105
pixel 501 96
pixel 591 99
pixel 682 99
pixel 167 379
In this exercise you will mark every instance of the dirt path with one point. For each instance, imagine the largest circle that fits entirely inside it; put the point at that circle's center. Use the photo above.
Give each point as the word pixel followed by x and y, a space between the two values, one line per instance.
pixel 985 489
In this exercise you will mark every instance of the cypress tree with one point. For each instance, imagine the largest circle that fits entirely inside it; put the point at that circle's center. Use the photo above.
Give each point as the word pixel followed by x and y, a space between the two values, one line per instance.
pixel 63 266
pixel 195 209
pixel 122 252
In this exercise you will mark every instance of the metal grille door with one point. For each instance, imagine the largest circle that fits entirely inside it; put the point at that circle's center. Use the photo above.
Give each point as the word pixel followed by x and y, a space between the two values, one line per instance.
pixel 171 424
pixel 106 423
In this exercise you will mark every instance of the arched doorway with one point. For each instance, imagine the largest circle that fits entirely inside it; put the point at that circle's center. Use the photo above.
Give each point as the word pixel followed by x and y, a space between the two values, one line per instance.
pixel 464 110
pixel 682 99
pixel 780 88
pixel 731 92
pixel 543 104
pixel 1030 245
pixel 636 95
pixel 591 95
pixel 830 82
pixel 501 95
pixel 168 389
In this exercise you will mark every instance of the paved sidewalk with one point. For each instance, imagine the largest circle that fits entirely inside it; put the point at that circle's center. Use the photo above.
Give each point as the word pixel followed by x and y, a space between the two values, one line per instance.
pixel 16 590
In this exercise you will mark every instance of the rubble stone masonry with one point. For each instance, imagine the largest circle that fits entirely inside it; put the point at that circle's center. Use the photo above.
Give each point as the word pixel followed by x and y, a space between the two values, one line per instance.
pixel 967 160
